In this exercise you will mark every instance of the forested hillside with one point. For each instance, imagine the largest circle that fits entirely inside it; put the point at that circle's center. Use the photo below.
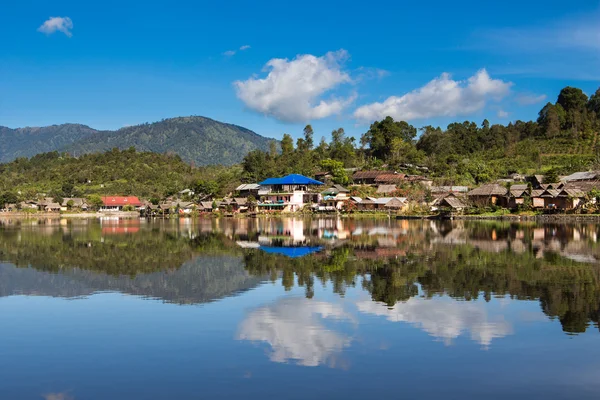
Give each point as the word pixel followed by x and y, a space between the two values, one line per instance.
pixel 149 175
pixel 27 142
pixel 200 140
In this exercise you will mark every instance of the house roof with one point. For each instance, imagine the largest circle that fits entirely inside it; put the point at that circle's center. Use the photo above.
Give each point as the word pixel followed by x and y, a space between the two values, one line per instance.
pixel 395 203
pixel 77 201
pixel 240 201
pixel 452 202
pixel 384 200
pixel 248 186
pixel 492 189
pixel 536 193
pixel 444 189
pixel 550 193
pixel 585 186
pixel 119 201
pixel 356 199
pixel 572 192
pixel 390 177
pixel 368 174
pixel 386 188
pixel 581 176
pixel 518 192
pixel 340 188
pixel 519 187
pixel 206 204
pixel 292 179
pixel 52 205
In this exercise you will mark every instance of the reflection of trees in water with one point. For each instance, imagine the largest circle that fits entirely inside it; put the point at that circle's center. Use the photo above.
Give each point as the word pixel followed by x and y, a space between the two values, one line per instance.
pixel 567 290
pixel 154 264
pixel 467 261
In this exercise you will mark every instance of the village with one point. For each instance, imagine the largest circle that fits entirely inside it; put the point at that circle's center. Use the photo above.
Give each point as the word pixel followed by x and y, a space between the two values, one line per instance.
pixel 371 191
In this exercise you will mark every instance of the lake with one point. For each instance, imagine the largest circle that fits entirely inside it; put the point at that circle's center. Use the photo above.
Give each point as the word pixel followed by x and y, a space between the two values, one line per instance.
pixel 298 308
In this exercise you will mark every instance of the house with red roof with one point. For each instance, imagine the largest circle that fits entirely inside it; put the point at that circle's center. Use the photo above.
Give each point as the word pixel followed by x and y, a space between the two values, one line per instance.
pixel 117 203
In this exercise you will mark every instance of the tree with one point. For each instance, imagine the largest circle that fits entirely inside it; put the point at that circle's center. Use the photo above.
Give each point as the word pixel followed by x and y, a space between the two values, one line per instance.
pixel 322 149
pixel 273 148
pixel 572 99
pixel 287 145
pixel 380 135
pixel 594 102
pixel 551 176
pixel 336 169
pixel 8 198
pixel 95 201
pixel 549 119
pixel 67 189
pixel 70 204
pixel 308 137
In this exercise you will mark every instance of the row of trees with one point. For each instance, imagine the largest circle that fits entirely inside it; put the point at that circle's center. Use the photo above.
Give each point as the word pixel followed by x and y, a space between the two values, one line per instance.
pixel 563 138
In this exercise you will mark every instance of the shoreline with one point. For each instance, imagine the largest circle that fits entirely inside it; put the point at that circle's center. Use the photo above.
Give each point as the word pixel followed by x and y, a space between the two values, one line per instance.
pixel 375 215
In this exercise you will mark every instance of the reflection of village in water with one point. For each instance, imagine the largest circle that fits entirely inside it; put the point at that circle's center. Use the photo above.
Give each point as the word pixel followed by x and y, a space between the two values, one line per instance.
pixel 395 261
pixel 382 237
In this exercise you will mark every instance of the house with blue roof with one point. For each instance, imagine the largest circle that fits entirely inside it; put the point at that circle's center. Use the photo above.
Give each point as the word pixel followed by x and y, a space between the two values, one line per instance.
pixel 289 193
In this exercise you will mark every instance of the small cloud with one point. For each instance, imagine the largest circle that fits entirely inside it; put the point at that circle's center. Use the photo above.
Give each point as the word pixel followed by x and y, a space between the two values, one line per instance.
pixel 502 114
pixel 57 24
pixel 229 53
pixel 441 97
pixel 529 99
pixel 245 47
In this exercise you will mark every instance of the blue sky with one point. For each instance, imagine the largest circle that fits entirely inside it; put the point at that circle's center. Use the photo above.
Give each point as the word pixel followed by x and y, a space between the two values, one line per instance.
pixel 332 64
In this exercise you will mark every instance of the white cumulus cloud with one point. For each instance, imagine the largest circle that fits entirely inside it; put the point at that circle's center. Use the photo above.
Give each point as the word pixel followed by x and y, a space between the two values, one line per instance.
pixel 441 97
pixel 502 114
pixel 443 319
pixel 245 47
pixel 57 24
pixel 293 90
pixel 229 53
pixel 294 329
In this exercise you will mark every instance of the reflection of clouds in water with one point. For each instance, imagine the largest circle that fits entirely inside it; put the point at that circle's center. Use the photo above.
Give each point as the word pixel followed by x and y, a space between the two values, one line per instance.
pixel 444 319
pixel 58 396
pixel 293 328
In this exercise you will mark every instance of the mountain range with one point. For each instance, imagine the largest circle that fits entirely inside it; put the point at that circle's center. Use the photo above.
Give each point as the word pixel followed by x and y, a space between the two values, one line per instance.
pixel 200 140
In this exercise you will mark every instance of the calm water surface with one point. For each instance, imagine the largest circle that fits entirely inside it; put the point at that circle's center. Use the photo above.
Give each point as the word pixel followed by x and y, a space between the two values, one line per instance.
pixel 297 309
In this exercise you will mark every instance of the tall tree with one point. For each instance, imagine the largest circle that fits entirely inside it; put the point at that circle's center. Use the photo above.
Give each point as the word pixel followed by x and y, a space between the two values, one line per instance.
pixel 594 102
pixel 287 145
pixel 550 119
pixel 308 136
pixel 571 98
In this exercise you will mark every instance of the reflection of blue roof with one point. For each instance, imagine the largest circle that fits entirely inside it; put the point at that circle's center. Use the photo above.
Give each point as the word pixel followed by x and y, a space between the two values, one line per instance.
pixel 292 179
pixel 292 252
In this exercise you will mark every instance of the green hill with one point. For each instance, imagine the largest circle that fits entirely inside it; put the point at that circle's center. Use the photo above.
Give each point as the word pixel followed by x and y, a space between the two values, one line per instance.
pixel 195 139
pixel 200 140
pixel 27 142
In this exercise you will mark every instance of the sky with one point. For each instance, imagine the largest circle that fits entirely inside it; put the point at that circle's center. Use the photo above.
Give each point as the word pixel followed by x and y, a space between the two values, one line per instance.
pixel 274 66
